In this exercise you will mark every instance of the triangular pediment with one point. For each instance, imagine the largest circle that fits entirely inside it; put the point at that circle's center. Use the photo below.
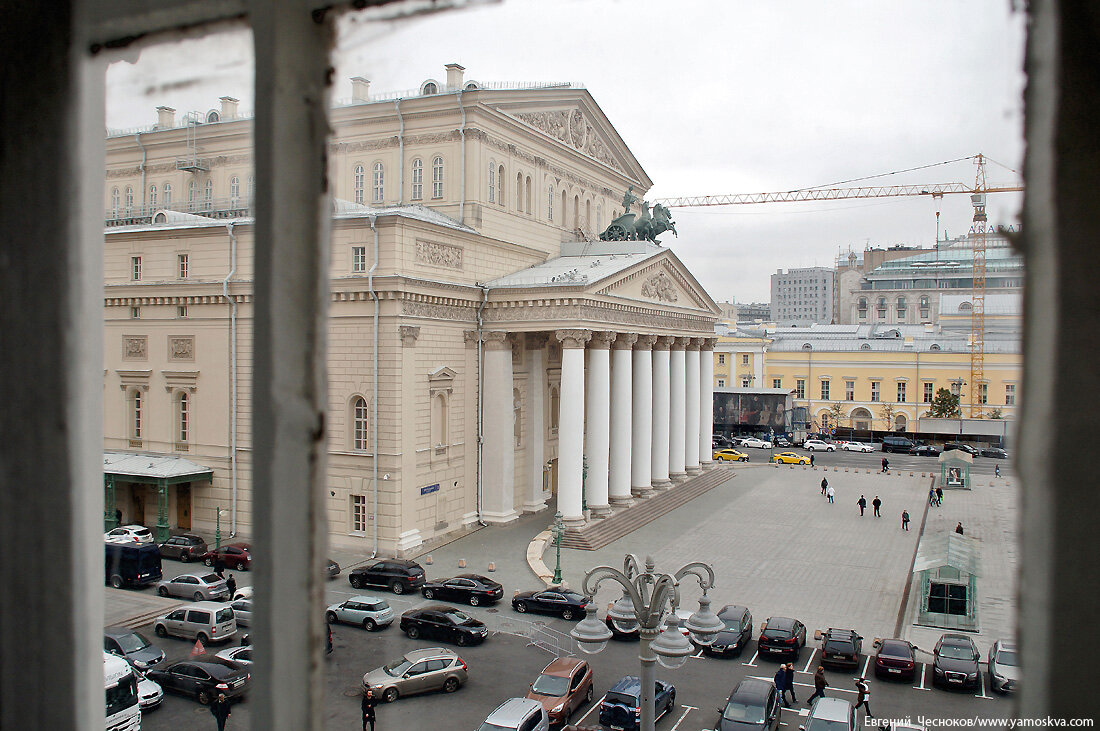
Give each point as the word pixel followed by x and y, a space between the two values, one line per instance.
pixel 661 281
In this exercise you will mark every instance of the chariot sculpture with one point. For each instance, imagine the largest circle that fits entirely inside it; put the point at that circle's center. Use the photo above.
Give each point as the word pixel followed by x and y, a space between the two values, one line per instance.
pixel 645 227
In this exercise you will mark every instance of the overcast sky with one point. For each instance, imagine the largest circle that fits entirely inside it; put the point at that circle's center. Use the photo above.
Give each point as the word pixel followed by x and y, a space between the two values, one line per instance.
pixel 712 97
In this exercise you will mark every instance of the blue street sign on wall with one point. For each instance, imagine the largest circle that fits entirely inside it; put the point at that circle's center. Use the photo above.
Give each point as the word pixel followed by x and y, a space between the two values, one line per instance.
pixel 429 489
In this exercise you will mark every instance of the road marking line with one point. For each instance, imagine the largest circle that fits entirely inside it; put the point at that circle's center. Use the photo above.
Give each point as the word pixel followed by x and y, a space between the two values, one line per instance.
pixel 866 664
pixel 810 661
pixel 594 707
pixel 687 710
pixel 752 661
pixel 697 655
pixel 981 684
pixel 923 670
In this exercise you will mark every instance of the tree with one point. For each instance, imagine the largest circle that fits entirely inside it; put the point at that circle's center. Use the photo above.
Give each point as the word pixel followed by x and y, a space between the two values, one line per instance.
pixel 886 413
pixel 836 411
pixel 945 405
pixel 995 414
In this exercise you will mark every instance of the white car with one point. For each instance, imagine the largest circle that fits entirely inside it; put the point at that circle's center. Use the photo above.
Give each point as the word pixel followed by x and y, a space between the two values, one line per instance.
pixel 815 444
pixel 857 447
pixel 243 592
pixel 754 442
pixel 129 534
pixel 243 655
pixel 150 694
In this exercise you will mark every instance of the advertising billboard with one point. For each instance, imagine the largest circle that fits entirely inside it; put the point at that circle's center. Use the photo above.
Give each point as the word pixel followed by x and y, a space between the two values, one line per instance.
pixel 754 410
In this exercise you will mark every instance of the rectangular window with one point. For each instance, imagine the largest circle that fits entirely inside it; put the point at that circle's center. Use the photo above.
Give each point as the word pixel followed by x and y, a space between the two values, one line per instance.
pixel 777 383
pixel 800 388
pixel 183 260
pixel 359 513
pixel 1010 394
pixel 744 359
pixel 135 268
pixel 983 393
pixel 927 393
pixel 746 382
pixel 181 311
pixel 876 391
pixel 418 180
pixel 947 598
pixel 901 392
pixel 721 359
pixel 359 259
pixel 721 383
pixel 135 313
pixel 849 390
pixel 824 390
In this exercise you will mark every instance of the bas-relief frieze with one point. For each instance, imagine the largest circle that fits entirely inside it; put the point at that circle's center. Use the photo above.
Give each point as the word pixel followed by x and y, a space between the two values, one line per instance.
pixel 442 255
pixel 665 270
pixel 660 287
pixel 572 128
pixel 134 347
pixel 587 313
pixel 181 348
pixel 437 312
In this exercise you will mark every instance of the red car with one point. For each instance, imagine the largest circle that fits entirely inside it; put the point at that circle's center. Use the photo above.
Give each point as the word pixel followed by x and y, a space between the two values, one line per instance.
pixel 895 659
pixel 237 556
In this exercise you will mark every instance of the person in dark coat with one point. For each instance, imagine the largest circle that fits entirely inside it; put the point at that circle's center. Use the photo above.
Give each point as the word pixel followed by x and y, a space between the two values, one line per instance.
pixel 885 465
pixel 905 520
pixel 863 697
pixel 876 504
pixel 232 584
pixel 328 639
pixel 939 496
pixel 862 503
pixel 118 517
pixel 781 684
pixel 221 709
pixel 368 709
pixel 820 685
pixel 959 528
pixel 811 459
pixel 219 567
pixel 824 485
pixel 788 683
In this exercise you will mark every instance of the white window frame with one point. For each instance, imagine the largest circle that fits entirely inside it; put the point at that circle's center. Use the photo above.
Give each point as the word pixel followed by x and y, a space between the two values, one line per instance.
pixel 378 179
pixel 359 178
pixel 135 268
pixel 417 179
pixel 358 513
pixel 358 259
pixel 437 177
pixel 183 265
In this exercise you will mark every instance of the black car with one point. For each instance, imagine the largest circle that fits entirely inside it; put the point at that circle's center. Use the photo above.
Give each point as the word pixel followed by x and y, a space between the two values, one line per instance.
pixel 554 600
pixel 471 589
pixel 622 706
pixel 737 632
pixel 440 622
pixel 133 646
pixel 720 440
pixel 782 441
pixel 183 547
pixel 897 444
pixel 955 662
pixel 925 450
pixel 203 677
pixel 840 648
pixel 753 705
pixel 995 453
pixel 896 659
pixel 332 569
pixel 972 451
pixel 398 574
pixel 782 636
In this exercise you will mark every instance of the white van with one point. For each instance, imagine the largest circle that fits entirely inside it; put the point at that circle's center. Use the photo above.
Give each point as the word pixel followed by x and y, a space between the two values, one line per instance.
pixel 202 621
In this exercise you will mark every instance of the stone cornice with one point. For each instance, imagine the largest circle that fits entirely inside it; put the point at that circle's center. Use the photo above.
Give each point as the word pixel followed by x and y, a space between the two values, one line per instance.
pixel 614 315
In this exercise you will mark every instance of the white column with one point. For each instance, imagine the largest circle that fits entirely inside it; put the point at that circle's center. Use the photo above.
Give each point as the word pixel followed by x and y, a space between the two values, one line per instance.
pixel 661 383
pixel 498 454
pixel 641 443
pixel 677 409
pixel 534 498
pixel 691 389
pixel 598 423
pixel 706 399
pixel 571 425
pixel 618 480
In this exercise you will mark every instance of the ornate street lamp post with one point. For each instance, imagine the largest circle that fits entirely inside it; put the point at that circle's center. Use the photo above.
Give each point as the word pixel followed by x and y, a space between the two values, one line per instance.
pixel 558 530
pixel 647 598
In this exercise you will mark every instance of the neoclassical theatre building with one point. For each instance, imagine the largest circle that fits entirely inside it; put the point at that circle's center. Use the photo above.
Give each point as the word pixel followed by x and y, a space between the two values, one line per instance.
pixel 488 354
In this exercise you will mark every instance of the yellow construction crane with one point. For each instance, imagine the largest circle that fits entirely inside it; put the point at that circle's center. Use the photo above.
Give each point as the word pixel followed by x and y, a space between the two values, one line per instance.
pixel 980 229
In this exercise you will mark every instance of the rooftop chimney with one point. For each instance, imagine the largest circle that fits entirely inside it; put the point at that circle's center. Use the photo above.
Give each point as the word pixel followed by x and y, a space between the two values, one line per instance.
pixel 454 76
pixel 360 89
pixel 166 117
pixel 229 107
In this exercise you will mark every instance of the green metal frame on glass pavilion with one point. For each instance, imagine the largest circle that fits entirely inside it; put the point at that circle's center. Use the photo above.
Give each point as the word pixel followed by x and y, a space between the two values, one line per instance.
pixel 955 470
pixel 148 469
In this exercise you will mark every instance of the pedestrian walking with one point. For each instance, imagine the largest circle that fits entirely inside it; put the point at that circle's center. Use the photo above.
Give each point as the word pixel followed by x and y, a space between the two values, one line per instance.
pixel 328 639
pixel 862 503
pixel 811 459
pixel 959 528
pixel 939 496
pixel 219 567
pixel 905 520
pixel 863 697
pixel 996 469
pixel 931 496
pixel 368 709
pixel 820 685
pixel 788 683
pixel 220 709
pixel 876 504
pixel 232 584
pixel 780 684
pixel 830 492
pixel 885 465
pixel 118 517
pixel 824 485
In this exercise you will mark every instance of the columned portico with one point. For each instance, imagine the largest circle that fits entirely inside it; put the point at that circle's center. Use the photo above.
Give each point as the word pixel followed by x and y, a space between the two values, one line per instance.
pixel 691 389
pixel 706 398
pixel 498 455
pixel 641 445
pixel 677 415
pixel 622 383
pixel 597 436
pixel 534 498
pixel 660 426
pixel 571 425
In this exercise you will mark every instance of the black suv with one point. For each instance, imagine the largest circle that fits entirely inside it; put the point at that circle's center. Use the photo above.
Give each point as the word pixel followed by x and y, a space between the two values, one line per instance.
pixel 782 636
pixel 737 633
pixel 840 648
pixel 440 622
pixel 398 574
pixel 622 706
pixel 897 444
pixel 183 547
pixel 955 662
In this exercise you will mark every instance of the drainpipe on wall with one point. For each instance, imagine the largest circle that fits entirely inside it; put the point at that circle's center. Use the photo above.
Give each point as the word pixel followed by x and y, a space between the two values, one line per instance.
pixel 374 403
pixel 401 153
pixel 480 403
pixel 462 185
pixel 232 377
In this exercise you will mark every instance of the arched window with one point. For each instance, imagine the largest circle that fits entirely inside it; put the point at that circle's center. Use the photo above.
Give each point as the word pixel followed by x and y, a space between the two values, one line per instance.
pixel 519 192
pixel 965 307
pixel 192 195
pixel 136 403
pixel 439 420
pixel 576 212
pixel 183 417
pixel 517 417
pixel 360 418
pixel 492 182
pixel 116 201
pixel 429 88
pixel 588 213
pixel 901 306
pixel 550 203
pixel 167 195
pixel 378 180
pixel 417 179
pixel 208 195
pixel 358 183
pixel 564 199
pixel 934 346
pixel 129 200
pixel 153 196
pixel 862 305
pixel 555 407
pixel 599 217
pixel 437 178
pixel 807 346
pixel 500 181
pixel 234 191
pixel 527 195
pixel 213 116
pixel 251 189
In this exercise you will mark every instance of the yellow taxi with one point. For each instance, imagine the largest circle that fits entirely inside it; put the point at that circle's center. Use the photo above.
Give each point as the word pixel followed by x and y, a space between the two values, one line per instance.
pixel 789 458
pixel 730 455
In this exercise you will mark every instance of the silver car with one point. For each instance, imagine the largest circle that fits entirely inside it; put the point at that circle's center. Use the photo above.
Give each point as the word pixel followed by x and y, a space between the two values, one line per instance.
pixel 200 587
pixel 243 609
pixel 242 654
pixel 420 671
pixel 1004 666
pixel 366 611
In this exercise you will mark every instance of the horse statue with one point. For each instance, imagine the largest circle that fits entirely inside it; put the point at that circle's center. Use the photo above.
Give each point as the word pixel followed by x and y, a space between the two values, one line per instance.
pixel 646 226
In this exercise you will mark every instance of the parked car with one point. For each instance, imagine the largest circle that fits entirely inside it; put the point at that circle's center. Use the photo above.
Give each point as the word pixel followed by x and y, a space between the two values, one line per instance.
pixel 242 654
pixel 994 452
pixel 517 714
pixel 1004 667
pixel 756 443
pixel 200 587
pixel 129 534
pixel 150 694
pixel 816 444
pixel 184 547
pixel 831 714
pixel 752 706
pixel 857 447
pixel 133 646
pixel 789 458
pixel 332 569
pixel 896 658
pixel 234 555
pixel 955 662
pixel 472 589
pixel 730 455
pixel 562 687
pixel 131 564
pixel 243 592
pixel 972 451
pixel 203 677
pixel 840 648
pixel 782 441
pixel 622 705
pixel 721 440
pixel 553 600
pixel 441 622
pixel 419 671
pixel 202 621
pixel 925 450
pixel 399 575
pixel 242 610
pixel 368 612
pixel 897 444
pixel 736 633
pixel 782 636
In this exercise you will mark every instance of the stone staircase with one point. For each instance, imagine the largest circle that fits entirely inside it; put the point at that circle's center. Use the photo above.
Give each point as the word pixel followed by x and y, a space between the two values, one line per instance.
pixel 599 533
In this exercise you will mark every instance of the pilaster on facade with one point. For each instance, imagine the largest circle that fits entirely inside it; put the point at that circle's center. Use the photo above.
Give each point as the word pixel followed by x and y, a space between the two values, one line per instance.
pixel 498 450
pixel 409 335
